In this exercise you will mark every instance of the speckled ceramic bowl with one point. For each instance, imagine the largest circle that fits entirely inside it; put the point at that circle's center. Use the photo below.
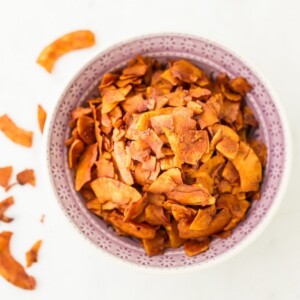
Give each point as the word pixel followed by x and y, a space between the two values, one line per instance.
pixel 211 57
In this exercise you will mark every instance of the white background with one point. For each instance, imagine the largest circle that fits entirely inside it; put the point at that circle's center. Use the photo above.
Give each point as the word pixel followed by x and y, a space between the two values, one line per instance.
pixel 266 32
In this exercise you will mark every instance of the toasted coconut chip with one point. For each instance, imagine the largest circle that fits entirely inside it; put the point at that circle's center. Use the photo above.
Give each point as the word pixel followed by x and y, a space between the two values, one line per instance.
pixel 191 195
pixel 108 107
pixel 4 205
pixel 230 111
pixel 237 207
pixel 249 117
pixel 118 134
pixel 136 70
pixel 98 136
pixel 32 254
pixel 86 129
pixel 107 80
pixel 69 141
pixel 249 167
pixel 87 193
pixel 67 43
pixel 222 79
pixel 230 173
pixel 118 123
pixel 217 137
pixel 139 150
pixel 111 95
pixel 182 212
pixel 232 224
pixel 238 124
pixel 209 167
pixel 157 80
pixel 108 189
pixel 218 223
pixel 106 122
pixel 123 161
pixel 168 76
pixel 156 199
pixel 204 81
pixel 165 141
pixel 207 156
pixel 167 205
pixel 260 150
pixel 177 98
pixel 155 215
pixel 75 134
pixel 255 196
pixel 231 96
pixel 95 101
pixel 192 247
pixel 224 186
pixel 228 148
pixel 115 114
pixel 226 132
pixel 75 152
pixel 167 163
pixel 183 121
pixel 105 168
pixel 193 145
pixel 10 269
pixel 109 205
pixel 174 141
pixel 144 119
pixel 153 175
pixel 79 112
pixel 149 164
pixel 125 82
pixel 185 71
pixel 173 234
pixel 154 142
pixel 134 209
pixel 156 245
pixel 42 116
pixel 188 146
pixel 5 175
pixel 138 230
pixel 207 117
pixel 26 176
pixel 135 104
pixel 200 93
pixel 160 101
pixel 216 103
pixel 160 122
pixel 94 206
pixel 86 161
pixel 14 133
pixel 195 107
pixel 240 85
pixel 132 133
pixel 141 176
pixel 166 182
pixel 206 181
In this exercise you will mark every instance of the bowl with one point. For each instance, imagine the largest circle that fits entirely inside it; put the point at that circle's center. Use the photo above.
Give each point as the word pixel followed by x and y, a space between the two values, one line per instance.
pixel 210 56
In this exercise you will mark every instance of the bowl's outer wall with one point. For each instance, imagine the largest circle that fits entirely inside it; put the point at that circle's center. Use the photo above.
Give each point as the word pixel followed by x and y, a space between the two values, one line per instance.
pixel 211 57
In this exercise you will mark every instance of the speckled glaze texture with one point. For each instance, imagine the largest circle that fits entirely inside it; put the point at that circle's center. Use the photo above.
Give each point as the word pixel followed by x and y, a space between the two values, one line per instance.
pixel 209 56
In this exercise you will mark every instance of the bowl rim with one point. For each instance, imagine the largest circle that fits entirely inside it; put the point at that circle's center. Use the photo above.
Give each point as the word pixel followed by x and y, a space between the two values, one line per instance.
pixel 249 238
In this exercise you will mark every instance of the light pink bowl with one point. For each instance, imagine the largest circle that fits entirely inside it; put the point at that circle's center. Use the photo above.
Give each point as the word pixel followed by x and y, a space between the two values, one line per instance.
pixel 211 57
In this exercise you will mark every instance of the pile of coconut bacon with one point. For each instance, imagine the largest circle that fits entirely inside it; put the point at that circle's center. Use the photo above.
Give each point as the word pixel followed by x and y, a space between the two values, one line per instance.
pixel 164 154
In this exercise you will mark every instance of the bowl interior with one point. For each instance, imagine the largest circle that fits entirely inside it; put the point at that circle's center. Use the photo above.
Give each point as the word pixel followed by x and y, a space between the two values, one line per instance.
pixel 211 58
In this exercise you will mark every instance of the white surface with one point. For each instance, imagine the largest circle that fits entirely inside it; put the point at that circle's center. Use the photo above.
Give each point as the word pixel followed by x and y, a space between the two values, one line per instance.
pixel 263 31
